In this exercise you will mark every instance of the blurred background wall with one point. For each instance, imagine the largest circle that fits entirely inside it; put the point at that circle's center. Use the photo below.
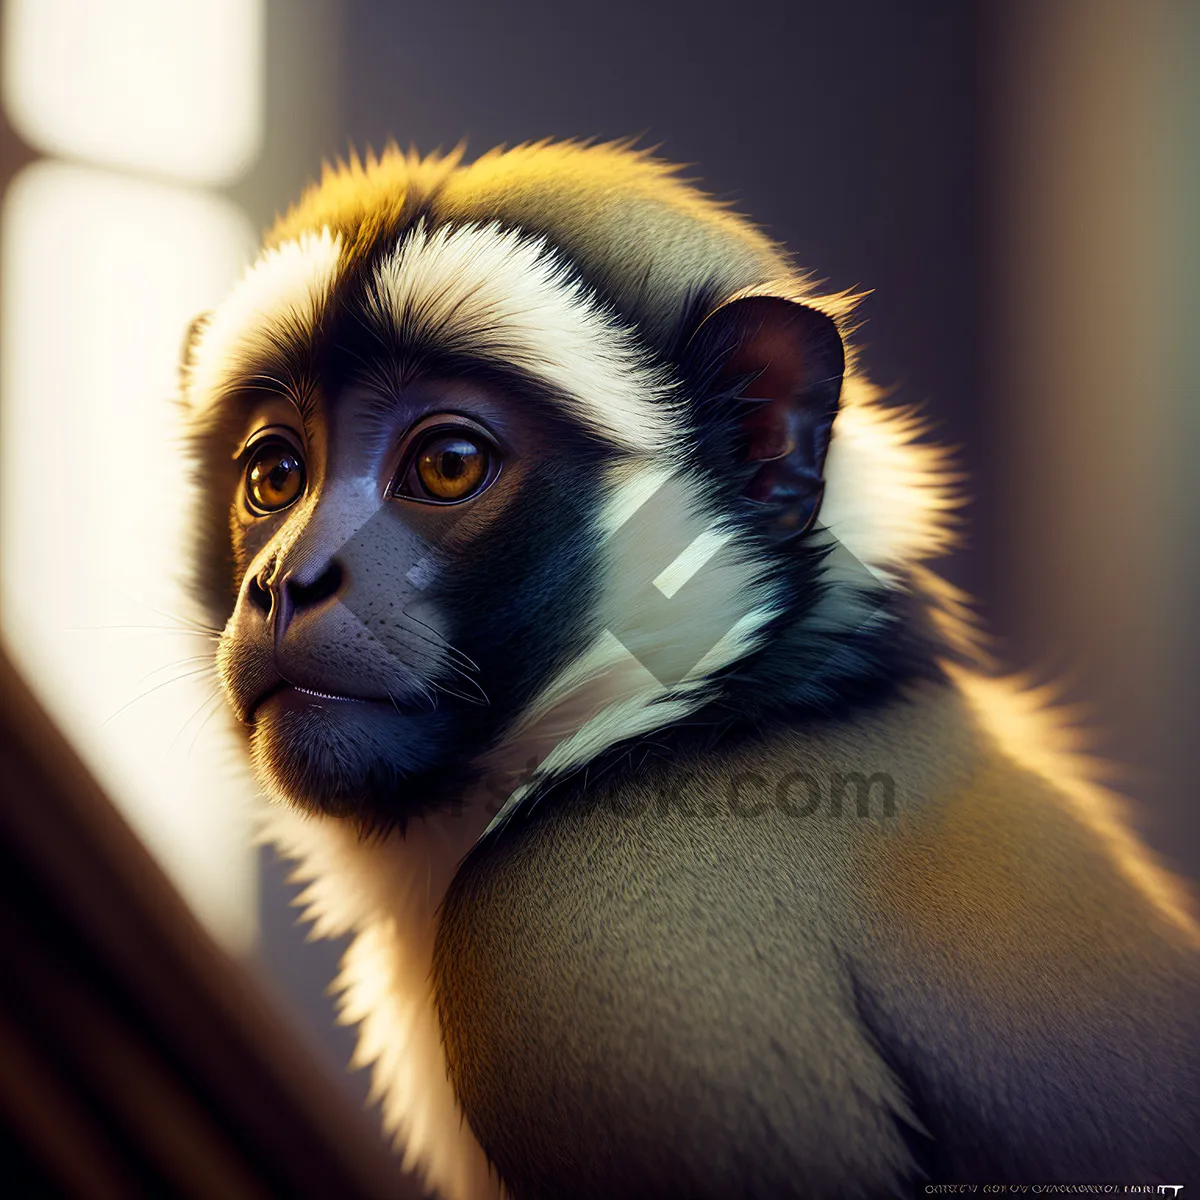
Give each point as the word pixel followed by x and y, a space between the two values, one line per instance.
pixel 1017 181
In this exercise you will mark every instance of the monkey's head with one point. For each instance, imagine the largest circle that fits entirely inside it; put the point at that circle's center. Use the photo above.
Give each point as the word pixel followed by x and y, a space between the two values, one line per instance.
pixel 547 447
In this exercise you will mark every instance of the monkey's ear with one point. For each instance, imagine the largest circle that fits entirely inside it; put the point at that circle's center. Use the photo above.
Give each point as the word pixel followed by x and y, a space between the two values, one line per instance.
pixel 788 359
pixel 187 351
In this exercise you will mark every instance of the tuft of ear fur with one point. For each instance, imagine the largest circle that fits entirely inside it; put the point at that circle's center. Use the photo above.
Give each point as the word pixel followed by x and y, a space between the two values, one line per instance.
pixel 187 349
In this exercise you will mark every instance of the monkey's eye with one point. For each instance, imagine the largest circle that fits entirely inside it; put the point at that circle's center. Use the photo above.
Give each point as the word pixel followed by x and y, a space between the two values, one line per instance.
pixel 274 476
pixel 448 464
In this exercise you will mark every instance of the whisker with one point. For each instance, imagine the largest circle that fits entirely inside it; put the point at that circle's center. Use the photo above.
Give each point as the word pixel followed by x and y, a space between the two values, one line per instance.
pixel 454 657
pixel 148 629
pixel 151 691
pixel 440 643
pixel 183 621
pixel 463 673
pixel 442 640
pixel 179 662
pixel 430 694
pixel 216 691
pixel 473 683
pixel 200 728
pixel 426 693
pixel 481 700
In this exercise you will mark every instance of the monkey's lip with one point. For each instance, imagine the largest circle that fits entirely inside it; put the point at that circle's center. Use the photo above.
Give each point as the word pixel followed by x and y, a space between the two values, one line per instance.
pixel 293 696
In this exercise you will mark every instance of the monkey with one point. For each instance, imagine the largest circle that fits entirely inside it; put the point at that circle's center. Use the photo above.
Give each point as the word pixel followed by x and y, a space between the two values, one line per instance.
pixel 579 626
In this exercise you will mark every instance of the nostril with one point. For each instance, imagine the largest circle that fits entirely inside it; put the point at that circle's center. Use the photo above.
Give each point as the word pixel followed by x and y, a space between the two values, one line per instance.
pixel 259 595
pixel 305 595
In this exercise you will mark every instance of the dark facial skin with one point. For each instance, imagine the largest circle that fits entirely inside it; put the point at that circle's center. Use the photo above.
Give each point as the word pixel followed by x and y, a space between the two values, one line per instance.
pixel 348 654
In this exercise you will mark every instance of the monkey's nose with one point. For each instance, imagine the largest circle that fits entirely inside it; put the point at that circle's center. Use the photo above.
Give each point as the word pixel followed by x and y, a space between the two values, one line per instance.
pixel 308 593
pixel 258 591
pixel 281 596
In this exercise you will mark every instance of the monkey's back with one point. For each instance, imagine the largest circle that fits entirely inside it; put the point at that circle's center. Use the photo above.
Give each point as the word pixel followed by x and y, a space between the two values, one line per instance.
pixel 714 980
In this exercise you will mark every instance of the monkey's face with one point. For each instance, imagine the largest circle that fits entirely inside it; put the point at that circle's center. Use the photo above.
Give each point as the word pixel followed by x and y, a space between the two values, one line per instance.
pixel 398 592
pixel 470 503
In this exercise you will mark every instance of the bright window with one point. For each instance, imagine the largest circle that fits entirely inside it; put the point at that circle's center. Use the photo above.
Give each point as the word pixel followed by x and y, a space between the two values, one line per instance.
pixel 103 267
pixel 166 87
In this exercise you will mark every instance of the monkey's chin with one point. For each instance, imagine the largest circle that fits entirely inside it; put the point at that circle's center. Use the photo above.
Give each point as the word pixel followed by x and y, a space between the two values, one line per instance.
pixel 358 759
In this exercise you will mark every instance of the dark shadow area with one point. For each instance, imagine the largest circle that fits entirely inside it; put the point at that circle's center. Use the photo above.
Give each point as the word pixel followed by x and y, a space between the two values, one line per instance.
pixel 136 1058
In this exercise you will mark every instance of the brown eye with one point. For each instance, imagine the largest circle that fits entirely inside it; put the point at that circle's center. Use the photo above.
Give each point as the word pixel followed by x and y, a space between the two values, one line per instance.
pixel 274 476
pixel 449 465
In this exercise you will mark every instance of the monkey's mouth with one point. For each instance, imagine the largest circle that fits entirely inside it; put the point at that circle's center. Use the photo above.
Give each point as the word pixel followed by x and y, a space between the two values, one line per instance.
pixel 285 696
pixel 343 755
